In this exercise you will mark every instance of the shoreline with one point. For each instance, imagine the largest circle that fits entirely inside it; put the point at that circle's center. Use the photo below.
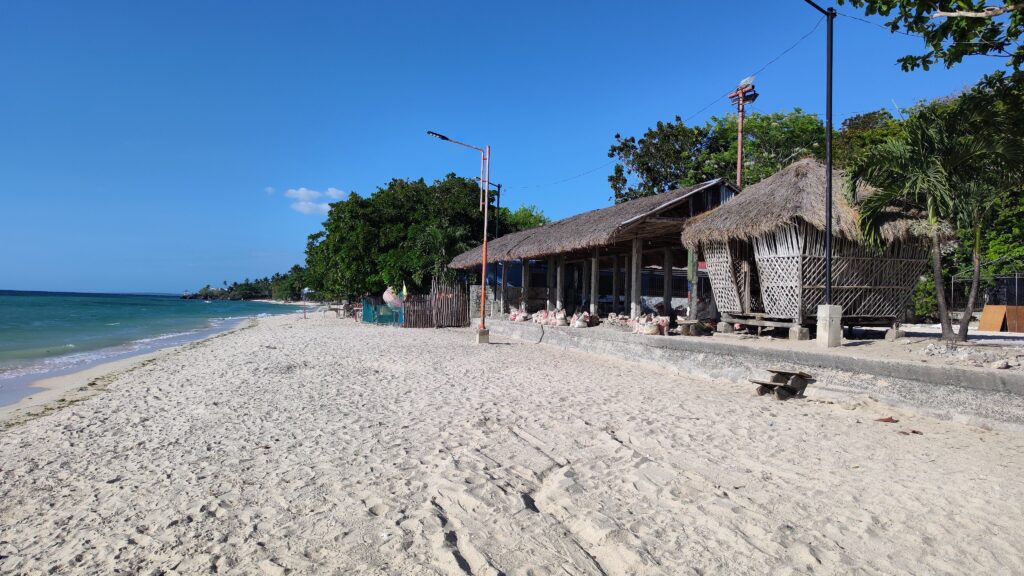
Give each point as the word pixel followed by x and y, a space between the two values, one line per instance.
pixel 54 392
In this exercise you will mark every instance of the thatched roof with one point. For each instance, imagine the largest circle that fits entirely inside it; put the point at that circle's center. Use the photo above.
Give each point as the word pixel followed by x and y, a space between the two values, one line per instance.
pixel 588 230
pixel 796 192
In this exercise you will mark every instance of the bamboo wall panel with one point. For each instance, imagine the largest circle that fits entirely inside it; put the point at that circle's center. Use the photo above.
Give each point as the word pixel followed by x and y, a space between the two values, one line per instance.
pixel 778 262
pixel 720 272
pixel 866 282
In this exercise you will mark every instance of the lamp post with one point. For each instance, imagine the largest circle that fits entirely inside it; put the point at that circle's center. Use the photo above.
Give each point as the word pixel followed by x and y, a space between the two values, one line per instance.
pixel 830 14
pixel 744 94
pixel 497 225
pixel 485 174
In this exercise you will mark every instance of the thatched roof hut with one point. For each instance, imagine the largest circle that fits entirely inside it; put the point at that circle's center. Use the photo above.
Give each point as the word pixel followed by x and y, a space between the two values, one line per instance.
pixel 651 216
pixel 765 251
pixel 794 194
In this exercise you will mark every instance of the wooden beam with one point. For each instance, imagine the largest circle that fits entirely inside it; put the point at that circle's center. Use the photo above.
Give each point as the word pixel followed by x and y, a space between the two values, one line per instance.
pixel 504 285
pixel 635 307
pixel 551 284
pixel 666 293
pixel 616 288
pixel 691 280
pixel 525 296
pixel 595 277
pixel 560 284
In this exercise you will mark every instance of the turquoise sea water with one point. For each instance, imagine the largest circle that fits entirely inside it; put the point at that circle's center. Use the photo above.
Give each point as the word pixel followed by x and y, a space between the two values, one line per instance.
pixel 44 334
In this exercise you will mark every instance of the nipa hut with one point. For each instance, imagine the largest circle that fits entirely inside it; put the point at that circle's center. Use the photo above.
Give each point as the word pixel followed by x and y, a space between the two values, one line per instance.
pixel 631 234
pixel 765 253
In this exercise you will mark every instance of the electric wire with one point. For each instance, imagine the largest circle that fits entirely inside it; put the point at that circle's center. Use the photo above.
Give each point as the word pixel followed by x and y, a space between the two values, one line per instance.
pixel 687 118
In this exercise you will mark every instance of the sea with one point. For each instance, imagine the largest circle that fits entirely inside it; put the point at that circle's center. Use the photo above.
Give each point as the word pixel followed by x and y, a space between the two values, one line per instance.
pixel 45 334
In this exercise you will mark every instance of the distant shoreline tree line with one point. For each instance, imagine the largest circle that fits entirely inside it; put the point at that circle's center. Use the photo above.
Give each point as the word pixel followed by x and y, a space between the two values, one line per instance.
pixel 285 287
pixel 403 235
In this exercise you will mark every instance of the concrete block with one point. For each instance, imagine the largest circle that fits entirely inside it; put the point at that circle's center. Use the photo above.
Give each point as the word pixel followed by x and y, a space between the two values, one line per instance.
pixel 799 333
pixel 830 326
pixel 483 336
pixel 726 328
pixel 893 334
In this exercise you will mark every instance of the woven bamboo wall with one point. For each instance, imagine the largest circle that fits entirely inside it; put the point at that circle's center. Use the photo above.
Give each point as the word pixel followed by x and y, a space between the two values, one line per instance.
pixel 720 272
pixel 778 256
pixel 865 282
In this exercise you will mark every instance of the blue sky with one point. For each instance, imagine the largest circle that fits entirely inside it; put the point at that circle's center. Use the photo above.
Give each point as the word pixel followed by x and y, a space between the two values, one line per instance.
pixel 150 146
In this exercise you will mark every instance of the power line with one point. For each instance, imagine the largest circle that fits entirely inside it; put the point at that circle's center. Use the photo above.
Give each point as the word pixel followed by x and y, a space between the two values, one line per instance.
pixel 762 68
pixel 787 50
pixel 688 118
pixel 580 175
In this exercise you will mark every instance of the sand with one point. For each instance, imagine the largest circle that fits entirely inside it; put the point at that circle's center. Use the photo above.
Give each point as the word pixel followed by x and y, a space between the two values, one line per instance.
pixel 325 446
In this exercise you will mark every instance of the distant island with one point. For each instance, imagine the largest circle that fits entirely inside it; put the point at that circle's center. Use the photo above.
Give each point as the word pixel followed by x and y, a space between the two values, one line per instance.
pixel 285 287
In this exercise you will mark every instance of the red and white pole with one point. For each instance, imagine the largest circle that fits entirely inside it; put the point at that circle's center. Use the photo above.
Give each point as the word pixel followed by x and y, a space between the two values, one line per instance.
pixel 485 175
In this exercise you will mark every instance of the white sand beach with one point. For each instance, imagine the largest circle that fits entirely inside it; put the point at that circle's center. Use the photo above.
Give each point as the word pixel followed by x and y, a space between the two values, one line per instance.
pixel 325 446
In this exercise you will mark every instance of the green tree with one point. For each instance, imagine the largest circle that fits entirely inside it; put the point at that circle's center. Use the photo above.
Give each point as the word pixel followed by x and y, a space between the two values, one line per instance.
pixel 860 133
pixel 945 163
pixel 405 233
pixel 954 29
pixel 672 154
pixel 522 218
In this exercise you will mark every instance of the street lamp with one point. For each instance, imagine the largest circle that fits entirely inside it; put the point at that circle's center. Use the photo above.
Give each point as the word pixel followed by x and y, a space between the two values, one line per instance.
pixel 485 174
pixel 743 95
pixel 831 15
pixel 497 226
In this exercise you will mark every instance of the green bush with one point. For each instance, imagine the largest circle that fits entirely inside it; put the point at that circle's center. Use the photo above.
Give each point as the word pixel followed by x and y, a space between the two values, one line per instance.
pixel 924 302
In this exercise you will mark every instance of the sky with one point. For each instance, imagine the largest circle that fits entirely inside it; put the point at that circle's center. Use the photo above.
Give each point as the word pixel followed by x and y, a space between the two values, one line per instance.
pixel 162 146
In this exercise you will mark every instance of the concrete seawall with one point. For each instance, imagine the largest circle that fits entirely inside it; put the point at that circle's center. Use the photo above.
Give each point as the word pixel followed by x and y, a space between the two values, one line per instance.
pixel 978 396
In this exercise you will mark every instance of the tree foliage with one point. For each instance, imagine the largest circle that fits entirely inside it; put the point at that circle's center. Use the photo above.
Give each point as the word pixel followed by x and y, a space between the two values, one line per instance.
pixel 286 287
pixel 959 161
pixel 673 154
pixel 954 29
pixel 405 233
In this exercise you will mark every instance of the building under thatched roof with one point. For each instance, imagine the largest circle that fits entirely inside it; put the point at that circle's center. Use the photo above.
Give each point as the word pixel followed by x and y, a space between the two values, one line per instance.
pixel 646 217
pixel 766 259
pixel 617 242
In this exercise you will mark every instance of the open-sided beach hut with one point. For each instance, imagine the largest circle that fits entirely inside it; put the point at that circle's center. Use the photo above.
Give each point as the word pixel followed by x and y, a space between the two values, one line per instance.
pixel 623 238
pixel 765 253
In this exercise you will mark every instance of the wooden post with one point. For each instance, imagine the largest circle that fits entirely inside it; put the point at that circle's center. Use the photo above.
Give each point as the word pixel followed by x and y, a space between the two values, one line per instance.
pixel 666 293
pixel 525 296
pixel 551 284
pixel 504 285
pixel 615 283
pixel 584 282
pixel 627 276
pixel 560 284
pixel 692 279
pixel 635 306
pixel 595 279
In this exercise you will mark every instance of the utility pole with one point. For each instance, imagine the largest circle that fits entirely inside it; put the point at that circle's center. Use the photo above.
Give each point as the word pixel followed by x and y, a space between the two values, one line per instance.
pixel 830 14
pixel 742 95
pixel 482 335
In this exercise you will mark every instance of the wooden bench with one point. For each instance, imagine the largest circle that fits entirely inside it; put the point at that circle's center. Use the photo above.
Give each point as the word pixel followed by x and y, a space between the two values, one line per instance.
pixel 784 384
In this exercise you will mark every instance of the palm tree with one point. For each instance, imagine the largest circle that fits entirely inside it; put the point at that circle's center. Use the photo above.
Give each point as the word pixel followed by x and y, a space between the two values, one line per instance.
pixel 926 167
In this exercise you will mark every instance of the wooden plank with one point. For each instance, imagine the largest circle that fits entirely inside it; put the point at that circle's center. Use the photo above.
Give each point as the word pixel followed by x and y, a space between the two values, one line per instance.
pixel 1015 318
pixel 992 318
pixel 758 322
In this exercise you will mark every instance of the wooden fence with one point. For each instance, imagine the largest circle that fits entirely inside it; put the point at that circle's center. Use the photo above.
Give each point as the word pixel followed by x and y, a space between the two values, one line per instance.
pixel 449 304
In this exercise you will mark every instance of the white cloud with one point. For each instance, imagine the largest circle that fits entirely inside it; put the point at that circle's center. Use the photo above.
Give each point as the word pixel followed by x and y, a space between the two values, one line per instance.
pixel 334 193
pixel 302 194
pixel 269 190
pixel 307 207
